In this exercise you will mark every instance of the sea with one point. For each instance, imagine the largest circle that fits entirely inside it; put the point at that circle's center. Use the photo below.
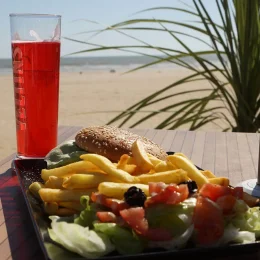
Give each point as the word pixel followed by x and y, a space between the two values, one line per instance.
pixel 104 63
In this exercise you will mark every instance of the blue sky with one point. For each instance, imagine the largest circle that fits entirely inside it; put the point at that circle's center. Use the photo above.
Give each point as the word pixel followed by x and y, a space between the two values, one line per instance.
pixel 105 12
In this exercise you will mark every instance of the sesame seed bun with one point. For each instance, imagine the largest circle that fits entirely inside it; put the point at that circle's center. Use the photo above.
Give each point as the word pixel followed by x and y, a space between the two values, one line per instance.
pixel 112 142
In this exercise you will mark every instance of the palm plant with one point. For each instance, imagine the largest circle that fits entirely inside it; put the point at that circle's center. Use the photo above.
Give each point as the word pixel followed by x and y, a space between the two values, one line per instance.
pixel 232 97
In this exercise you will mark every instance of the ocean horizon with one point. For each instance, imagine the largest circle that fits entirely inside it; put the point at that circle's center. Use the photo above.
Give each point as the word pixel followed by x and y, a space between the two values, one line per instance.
pixel 107 63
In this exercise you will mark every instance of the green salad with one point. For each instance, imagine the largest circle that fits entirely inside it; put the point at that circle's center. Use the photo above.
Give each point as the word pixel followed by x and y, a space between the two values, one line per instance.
pixel 174 217
pixel 165 216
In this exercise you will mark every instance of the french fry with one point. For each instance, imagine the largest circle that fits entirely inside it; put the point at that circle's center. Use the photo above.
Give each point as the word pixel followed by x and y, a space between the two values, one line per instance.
pixel 164 166
pixel 141 157
pixel 58 195
pixel 130 168
pixel 35 187
pixel 135 171
pixel 123 164
pixel 223 181
pixel 171 166
pixel 183 155
pixel 151 171
pixel 69 169
pixel 86 181
pixel 154 160
pixel 131 160
pixel 208 174
pixel 51 208
pixel 130 165
pixel 117 190
pixel 75 205
pixel 123 161
pixel 173 176
pixel 54 182
pixel 161 167
pixel 193 173
pixel 108 167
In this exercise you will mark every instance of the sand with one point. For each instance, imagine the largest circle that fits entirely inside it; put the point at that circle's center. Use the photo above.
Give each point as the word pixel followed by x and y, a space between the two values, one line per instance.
pixel 95 97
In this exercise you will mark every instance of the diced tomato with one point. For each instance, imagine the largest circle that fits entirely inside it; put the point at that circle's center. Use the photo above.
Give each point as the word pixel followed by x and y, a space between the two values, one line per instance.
pixel 171 194
pixel 238 192
pixel 156 187
pixel 106 216
pixel 98 198
pixel 182 192
pixel 114 205
pixel 214 191
pixel 208 221
pixel 226 203
pixel 134 217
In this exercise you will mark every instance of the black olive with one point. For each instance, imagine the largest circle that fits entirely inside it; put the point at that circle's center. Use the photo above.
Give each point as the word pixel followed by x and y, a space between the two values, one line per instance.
pixel 135 197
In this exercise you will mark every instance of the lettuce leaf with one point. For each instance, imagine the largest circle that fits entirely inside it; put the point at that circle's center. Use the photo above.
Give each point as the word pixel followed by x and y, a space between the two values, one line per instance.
pixel 248 221
pixel 87 216
pixel 56 252
pixel 240 206
pixel 233 234
pixel 63 154
pixel 81 240
pixel 125 241
pixel 175 218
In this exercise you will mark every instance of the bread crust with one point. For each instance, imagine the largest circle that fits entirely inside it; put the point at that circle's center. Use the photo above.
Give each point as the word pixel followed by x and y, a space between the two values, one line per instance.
pixel 112 142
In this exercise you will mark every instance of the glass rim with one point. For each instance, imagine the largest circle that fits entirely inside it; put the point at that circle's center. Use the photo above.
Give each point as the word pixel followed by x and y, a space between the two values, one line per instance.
pixel 34 15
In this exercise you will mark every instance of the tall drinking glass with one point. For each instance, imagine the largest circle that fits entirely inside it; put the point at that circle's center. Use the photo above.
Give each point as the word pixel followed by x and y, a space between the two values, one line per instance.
pixel 36 67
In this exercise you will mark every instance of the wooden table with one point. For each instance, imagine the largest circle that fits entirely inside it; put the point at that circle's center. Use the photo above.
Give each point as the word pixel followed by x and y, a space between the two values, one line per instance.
pixel 234 155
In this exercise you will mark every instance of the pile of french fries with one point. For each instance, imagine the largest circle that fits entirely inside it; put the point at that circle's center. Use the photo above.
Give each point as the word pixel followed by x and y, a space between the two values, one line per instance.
pixel 63 186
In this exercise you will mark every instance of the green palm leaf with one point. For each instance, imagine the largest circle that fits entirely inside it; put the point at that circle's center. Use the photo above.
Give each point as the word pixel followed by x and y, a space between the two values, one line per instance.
pixel 232 99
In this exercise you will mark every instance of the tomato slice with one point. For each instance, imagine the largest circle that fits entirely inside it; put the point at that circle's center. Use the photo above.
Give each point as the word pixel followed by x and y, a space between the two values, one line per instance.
pixel 214 191
pixel 182 194
pixel 238 192
pixel 208 221
pixel 106 217
pixel 226 203
pixel 156 187
pixel 98 198
pixel 171 194
pixel 114 205
pixel 134 217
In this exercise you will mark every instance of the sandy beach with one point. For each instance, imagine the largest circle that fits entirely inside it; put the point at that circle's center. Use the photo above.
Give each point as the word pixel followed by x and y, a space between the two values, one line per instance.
pixel 93 98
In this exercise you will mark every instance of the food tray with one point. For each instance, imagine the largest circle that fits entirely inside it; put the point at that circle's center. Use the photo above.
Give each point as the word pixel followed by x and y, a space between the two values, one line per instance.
pixel 29 170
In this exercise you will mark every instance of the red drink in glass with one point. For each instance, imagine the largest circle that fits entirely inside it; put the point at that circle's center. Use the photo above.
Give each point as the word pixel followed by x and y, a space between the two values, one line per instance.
pixel 36 91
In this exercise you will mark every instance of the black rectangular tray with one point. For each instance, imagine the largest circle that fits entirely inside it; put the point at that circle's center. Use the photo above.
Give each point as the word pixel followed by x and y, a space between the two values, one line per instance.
pixel 29 171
